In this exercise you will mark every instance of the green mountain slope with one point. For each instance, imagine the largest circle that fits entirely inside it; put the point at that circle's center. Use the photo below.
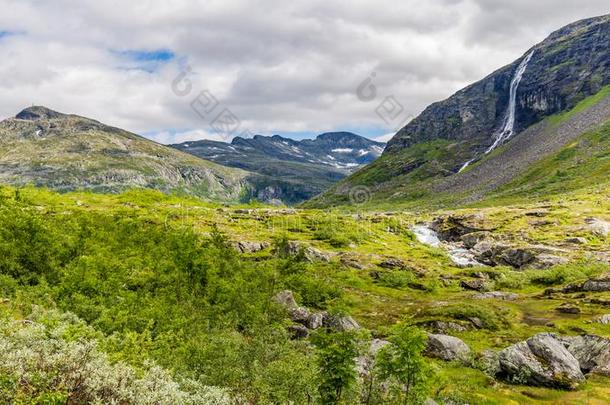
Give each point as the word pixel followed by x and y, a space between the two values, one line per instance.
pixel 68 152
pixel 562 94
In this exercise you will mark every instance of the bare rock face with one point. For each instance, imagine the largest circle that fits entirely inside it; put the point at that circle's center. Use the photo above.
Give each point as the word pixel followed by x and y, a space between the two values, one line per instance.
pixel 447 348
pixel 542 360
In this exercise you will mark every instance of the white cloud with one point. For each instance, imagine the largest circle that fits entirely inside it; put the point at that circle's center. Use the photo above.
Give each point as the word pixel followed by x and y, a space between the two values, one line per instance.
pixel 279 67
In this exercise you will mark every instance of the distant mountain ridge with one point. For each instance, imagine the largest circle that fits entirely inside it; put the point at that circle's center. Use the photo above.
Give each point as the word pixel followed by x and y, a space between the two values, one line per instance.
pixel 296 170
pixel 66 152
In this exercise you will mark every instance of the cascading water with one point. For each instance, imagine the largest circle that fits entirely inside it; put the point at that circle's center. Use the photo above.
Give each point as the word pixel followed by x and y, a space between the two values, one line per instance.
pixel 508 126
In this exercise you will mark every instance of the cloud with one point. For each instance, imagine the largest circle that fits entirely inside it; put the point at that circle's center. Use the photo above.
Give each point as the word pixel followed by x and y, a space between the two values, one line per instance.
pixel 278 68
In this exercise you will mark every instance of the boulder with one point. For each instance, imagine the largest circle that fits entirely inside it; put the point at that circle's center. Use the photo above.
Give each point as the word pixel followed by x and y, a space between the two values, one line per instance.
pixel 517 257
pixel 316 320
pixel 447 347
pixel 577 241
pixel 470 240
pixel 299 314
pixel 475 285
pixel 598 227
pixel 286 299
pixel 443 327
pixel 311 254
pixel 250 247
pixel 601 284
pixel 604 319
pixel 353 262
pixel 453 227
pixel 392 263
pixel 544 261
pixel 497 295
pixel 592 353
pixel 340 323
pixel 542 360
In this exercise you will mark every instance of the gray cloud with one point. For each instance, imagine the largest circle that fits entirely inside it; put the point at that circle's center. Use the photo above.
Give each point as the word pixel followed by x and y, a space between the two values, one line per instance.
pixel 280 67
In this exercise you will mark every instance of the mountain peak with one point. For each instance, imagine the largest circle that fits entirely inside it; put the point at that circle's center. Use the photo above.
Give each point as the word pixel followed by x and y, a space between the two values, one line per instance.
pixel 36 113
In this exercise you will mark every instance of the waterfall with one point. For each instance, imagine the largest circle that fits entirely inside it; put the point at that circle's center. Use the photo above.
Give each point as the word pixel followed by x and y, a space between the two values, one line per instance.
pixel 508 125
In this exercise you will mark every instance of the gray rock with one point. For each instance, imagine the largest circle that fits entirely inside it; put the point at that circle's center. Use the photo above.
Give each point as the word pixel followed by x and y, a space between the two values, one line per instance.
pixel 604 319
pixel 250 247
pixel 592 353
pixel 444 327
pixel 340 323
pixel 316 320
pixel 447 347
pixel 470 240
pixel 598 227
pixel 475 285
pixel 497 295
pixel 286 299
pixel 392 263
pixel 311 254
pixel 517 257
pixel 542 360
pixel 544 261
pixel 577 241
pixel 300 315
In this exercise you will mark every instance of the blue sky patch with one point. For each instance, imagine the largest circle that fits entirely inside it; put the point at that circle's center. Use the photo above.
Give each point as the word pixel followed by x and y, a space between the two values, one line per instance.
pixel 148 61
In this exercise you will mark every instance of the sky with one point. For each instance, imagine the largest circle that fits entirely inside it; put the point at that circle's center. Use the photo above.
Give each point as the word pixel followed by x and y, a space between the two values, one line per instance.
pixel 183 70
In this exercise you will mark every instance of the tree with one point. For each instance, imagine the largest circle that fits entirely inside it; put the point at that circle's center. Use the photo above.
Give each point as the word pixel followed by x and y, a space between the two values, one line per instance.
pixel 403 366
pixel 336 354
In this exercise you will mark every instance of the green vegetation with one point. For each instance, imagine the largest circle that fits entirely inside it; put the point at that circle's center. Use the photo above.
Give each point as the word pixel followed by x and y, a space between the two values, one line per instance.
pixel 153 284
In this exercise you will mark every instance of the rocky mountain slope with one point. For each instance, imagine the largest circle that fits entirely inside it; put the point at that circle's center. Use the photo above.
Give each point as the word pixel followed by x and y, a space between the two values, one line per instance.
pixel 67 152
pixel 293 170
pixel 561 96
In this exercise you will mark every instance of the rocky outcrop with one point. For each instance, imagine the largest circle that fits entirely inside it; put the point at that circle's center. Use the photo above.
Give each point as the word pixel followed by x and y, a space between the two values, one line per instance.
pixel 542 360
pixel 519 257
pixel 250 247
pixel 600 284
pixel 554 361
pixel 446 347
pixel 453 228
pixel 309 253
pixel 307 320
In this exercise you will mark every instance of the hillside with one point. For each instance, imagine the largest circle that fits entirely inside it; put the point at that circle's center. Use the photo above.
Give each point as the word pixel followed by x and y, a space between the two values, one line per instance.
pixel 230 303
pixel 495 129
pixel 294 170
pixel 67 152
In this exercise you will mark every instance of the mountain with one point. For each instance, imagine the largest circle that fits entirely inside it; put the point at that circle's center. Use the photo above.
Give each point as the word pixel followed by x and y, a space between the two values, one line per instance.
pixel 291 170
pixel 67 152
pixel 491 133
